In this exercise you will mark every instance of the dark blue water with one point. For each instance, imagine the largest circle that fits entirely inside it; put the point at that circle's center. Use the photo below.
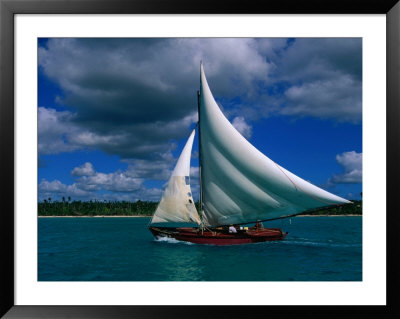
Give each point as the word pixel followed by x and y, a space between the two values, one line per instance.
pixel 122 249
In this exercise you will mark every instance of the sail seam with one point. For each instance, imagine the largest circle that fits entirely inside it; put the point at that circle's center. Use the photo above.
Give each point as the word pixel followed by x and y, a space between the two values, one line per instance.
pixel 299 188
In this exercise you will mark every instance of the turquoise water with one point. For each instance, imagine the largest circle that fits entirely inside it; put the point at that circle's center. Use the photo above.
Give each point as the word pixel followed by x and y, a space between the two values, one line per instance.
pixel 122 249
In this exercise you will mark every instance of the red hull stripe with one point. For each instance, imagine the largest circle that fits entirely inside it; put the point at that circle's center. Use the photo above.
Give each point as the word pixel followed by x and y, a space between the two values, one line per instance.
pixel 219 238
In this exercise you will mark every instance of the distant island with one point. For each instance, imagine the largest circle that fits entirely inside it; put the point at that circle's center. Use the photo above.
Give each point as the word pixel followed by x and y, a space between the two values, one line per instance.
pixel 354 208
pixel 67 207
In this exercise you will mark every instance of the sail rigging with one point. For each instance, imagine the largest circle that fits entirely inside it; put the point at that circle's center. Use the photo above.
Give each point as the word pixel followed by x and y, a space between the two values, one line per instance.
pixel 242 185
pixel 238 183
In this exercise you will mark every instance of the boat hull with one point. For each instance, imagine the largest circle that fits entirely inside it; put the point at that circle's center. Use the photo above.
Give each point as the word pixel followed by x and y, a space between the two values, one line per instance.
pixel 218 237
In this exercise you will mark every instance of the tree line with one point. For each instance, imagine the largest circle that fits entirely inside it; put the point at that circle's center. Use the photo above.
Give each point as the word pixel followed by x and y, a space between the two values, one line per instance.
pixel 354 208
pixel 67 207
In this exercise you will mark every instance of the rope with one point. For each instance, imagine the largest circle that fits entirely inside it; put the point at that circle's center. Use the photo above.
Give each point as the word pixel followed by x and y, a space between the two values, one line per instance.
pixel 299 188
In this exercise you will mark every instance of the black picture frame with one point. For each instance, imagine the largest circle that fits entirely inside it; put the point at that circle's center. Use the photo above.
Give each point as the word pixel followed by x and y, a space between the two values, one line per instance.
pixel 9 8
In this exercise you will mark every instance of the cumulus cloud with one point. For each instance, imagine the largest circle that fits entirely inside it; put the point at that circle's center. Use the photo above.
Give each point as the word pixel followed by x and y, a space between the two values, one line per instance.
pixel 240 124
pixel 83 170
pixel 58 133
pixel 352 166
pixel 91 180
pixel 91 184
pixel 334 98
pixel 322 78
pixel 132 97
pixel 56 189
pixel 151 169
pixel 133 80
pixel 54 130
pixel 116 182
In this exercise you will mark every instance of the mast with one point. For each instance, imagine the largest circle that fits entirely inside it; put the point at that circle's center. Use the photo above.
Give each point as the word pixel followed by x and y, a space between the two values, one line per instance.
pixel 200 157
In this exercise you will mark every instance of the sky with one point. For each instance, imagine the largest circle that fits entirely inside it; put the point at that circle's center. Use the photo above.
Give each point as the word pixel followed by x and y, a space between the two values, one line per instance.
pixel 114 114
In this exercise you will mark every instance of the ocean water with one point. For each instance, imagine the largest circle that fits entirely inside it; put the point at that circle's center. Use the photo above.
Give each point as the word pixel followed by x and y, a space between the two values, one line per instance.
pixel 123 249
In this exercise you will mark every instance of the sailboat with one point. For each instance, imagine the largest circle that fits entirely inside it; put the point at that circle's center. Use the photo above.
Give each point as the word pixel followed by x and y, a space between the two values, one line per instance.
pixel 239 186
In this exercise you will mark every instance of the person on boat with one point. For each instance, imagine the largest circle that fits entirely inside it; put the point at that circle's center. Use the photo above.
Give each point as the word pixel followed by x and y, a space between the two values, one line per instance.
pixel 232 229
pixel 259 225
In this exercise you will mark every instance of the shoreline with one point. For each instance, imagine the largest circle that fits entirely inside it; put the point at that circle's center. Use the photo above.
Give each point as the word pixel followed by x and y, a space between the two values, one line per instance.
pixel 140 216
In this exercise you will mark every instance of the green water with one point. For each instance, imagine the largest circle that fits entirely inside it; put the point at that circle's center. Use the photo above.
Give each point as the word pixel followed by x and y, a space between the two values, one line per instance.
pixel 122 249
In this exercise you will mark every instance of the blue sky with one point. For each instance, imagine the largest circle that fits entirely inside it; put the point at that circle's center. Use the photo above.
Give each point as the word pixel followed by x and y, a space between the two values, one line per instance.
pixel 114 114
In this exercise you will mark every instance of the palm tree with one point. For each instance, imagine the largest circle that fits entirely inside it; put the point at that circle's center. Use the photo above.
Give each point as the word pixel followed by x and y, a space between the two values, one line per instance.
pixel 69 199
pixel 44 206
pixel 63 205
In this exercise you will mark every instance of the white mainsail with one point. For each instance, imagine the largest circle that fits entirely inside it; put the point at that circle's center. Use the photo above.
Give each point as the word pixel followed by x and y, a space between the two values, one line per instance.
pixel 239 183
pixel 177 203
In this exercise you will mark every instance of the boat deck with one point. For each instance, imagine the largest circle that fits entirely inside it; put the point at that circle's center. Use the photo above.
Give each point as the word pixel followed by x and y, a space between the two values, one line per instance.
pixel 219 236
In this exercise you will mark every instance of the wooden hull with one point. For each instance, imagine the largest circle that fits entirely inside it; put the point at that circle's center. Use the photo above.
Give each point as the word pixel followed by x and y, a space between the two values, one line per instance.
pixel 218 237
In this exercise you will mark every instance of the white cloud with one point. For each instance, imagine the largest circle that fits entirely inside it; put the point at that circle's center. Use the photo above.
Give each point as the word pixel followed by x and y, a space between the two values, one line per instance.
pixel 56 189
pixel 321 78
pixel 334 98
pixel 59 132
pixel 54 130
pixel 150 194
pixel 90 184
pixel 116 182
pixel 83 170
pixel 350 160
pixel 132 97
pixel 352 165
pixel 240 124
pixel 151 169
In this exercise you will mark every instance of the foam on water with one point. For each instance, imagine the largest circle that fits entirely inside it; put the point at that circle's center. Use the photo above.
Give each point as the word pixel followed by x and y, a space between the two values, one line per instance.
pixel 171 240
pixel 318 244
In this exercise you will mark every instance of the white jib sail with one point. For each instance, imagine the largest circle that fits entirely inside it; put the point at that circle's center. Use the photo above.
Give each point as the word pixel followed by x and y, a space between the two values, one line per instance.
pixel 177 203
pixel 240 184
